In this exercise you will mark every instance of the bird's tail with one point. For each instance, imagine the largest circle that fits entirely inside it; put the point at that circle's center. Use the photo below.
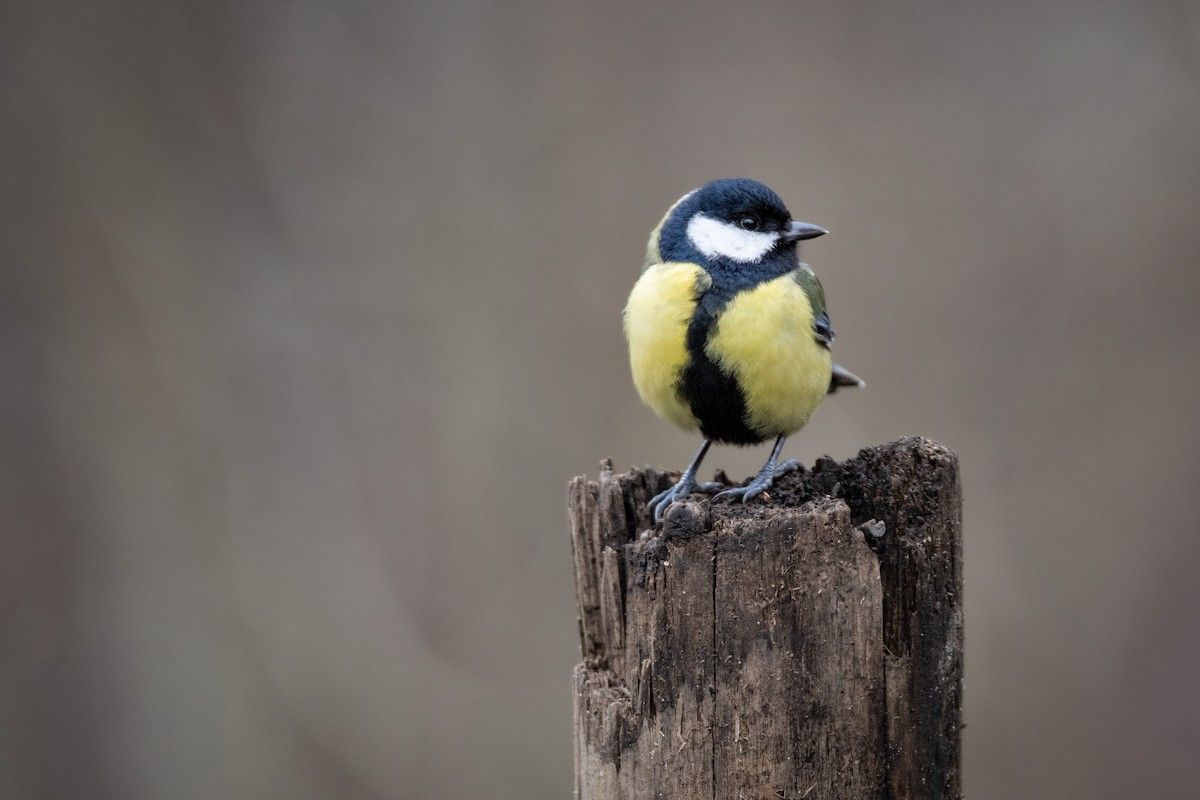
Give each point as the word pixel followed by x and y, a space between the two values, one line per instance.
pixel 843 377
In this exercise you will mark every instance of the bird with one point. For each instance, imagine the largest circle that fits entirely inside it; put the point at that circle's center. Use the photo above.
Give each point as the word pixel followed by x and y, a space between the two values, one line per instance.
pixel 728 331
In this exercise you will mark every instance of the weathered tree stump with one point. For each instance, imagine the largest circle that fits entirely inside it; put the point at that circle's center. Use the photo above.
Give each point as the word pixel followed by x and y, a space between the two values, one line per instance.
pixel 809 646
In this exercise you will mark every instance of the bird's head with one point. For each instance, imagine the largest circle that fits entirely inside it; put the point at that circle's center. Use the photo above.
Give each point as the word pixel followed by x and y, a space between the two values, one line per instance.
pixel 732 221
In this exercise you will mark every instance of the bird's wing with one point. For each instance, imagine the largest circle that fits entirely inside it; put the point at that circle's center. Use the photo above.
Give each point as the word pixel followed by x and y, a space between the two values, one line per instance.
pixel 822 330
pixel 808 281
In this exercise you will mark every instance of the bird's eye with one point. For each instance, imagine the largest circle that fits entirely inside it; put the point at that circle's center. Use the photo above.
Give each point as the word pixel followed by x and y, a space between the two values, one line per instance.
pixel 748 223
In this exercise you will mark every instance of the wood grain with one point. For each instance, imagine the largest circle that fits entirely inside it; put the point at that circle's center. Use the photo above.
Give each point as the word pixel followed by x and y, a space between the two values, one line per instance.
pixel 773 650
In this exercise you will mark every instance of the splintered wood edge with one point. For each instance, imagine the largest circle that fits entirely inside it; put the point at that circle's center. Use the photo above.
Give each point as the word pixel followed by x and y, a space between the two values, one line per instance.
pixel 914 485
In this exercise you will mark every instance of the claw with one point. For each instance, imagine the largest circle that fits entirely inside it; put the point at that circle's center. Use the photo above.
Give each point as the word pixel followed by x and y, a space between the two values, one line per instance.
pixel 685 486
pixel 748 492
pixel 788 466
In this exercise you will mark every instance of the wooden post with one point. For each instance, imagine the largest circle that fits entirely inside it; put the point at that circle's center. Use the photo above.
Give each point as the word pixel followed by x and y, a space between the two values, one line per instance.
pixel 806 647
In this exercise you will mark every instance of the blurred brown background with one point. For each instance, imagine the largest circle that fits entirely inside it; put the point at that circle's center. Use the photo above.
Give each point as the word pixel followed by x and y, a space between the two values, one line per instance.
pixel 311 309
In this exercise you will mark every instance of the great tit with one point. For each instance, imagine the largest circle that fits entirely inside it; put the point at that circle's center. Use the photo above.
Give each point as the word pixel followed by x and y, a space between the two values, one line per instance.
pixel 727 328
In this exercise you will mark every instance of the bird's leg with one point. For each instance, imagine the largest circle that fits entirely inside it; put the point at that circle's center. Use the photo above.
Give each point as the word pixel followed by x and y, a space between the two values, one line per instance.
pixel 683 487
pixel 762 481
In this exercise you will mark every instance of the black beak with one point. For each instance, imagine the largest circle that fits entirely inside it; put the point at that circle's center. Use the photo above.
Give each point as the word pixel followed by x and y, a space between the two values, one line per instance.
pixel 804 230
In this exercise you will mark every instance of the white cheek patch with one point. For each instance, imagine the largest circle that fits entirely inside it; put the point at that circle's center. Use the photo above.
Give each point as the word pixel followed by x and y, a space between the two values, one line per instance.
pixel 717 239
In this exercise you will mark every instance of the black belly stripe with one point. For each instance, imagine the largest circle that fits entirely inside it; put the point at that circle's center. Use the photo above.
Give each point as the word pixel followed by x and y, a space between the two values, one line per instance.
pixel 714 396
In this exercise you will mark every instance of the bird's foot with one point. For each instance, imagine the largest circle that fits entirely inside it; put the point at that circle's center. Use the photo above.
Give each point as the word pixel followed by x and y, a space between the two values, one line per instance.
pixel 753 489
pixel 685 486
pixel 762 481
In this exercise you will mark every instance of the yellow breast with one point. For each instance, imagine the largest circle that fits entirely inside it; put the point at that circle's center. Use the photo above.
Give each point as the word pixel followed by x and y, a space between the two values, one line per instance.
pixel 656 318
pixel 764 338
